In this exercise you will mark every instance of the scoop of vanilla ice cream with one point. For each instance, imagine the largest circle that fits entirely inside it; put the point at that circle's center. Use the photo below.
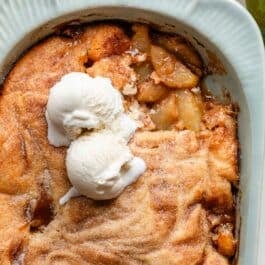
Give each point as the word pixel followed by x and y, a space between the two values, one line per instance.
pixel 79 102
pixel 101 165
pixel 87 114
pixel 124 127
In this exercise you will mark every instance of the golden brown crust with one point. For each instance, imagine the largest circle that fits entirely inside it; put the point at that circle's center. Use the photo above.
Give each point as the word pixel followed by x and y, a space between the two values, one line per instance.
pixel 116 68
pixel 223 144
pixel 169 216
pixel 106 40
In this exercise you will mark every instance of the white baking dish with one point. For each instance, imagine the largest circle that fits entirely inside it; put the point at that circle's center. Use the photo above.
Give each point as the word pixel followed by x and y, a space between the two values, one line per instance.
pixel 221 26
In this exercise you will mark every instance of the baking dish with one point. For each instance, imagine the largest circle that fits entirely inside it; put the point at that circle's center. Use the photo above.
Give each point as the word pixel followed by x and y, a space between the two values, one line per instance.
pixel 219 27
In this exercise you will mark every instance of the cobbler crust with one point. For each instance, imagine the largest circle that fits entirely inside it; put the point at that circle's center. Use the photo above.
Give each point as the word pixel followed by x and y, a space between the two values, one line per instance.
pixel 169 216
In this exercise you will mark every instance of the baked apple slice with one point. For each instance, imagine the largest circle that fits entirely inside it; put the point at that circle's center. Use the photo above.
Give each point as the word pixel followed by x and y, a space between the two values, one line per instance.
pixel 171 71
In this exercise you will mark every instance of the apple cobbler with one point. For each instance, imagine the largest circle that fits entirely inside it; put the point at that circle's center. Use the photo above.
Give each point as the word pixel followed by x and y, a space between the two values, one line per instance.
pixel 181 211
